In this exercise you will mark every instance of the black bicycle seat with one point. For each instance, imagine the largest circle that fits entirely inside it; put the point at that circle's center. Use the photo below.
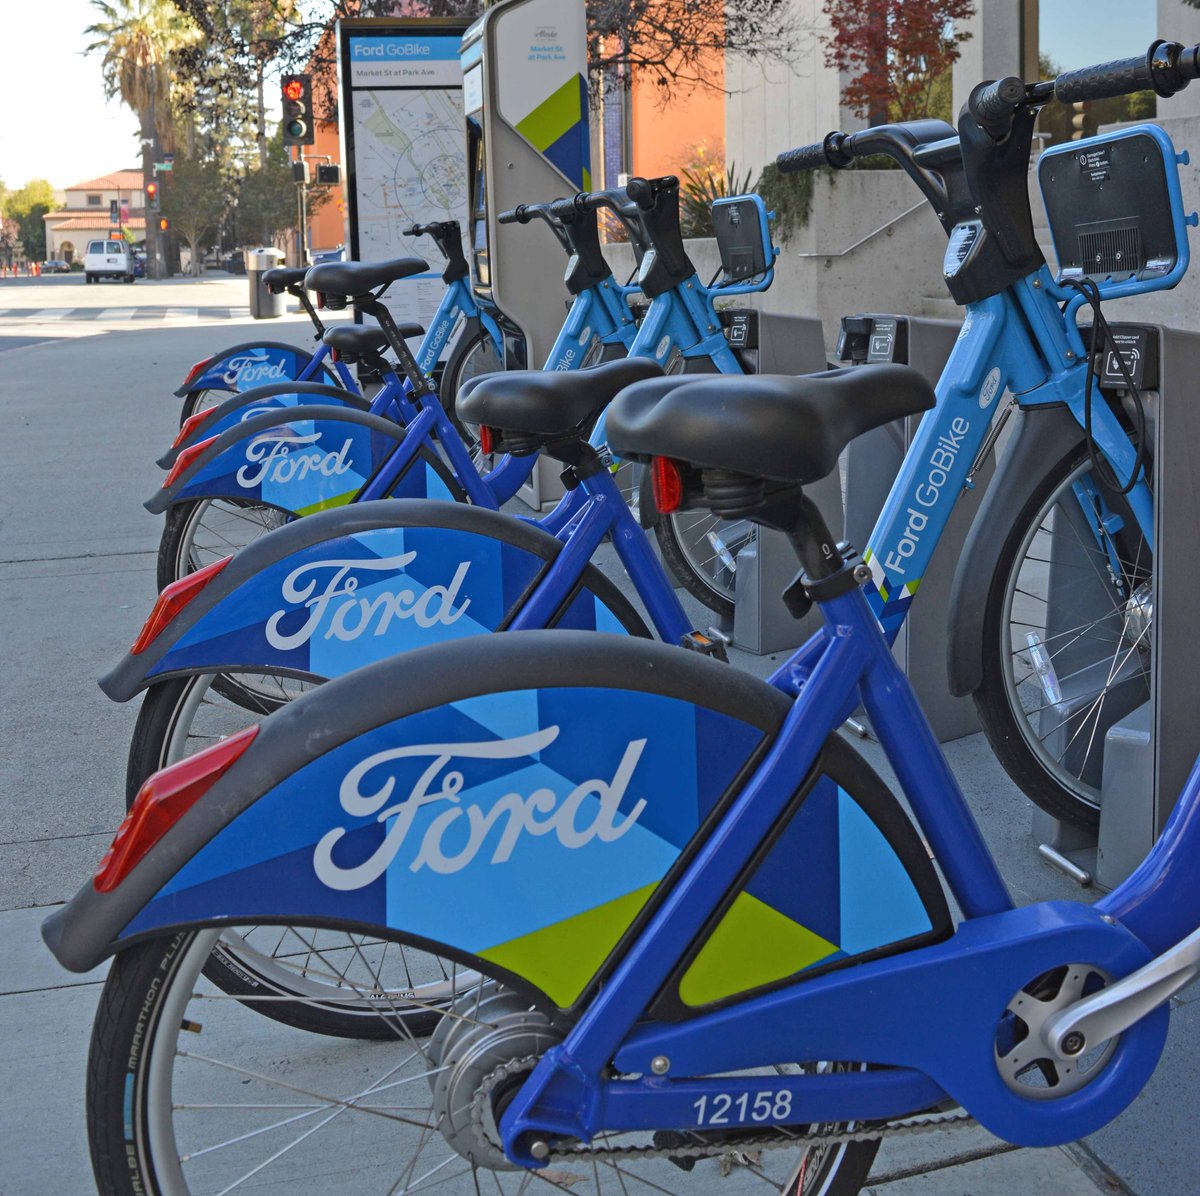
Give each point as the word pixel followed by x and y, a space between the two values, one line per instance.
pixel 548 402
pixel 355 339
pixel 357 278
pixel 787 429
pixel 279 278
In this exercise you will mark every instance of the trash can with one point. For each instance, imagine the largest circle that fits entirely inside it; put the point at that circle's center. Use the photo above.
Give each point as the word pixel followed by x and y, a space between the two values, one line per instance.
pixel 263 304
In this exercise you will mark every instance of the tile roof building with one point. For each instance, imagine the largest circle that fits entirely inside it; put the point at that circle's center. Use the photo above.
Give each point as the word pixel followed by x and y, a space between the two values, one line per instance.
pixel 87 213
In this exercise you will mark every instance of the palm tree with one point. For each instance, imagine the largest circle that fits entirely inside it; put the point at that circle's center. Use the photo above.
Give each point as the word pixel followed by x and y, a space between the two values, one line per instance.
pixel 136 38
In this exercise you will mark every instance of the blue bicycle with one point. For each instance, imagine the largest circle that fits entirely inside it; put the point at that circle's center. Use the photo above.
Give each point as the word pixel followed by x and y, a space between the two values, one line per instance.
pixel 257 470
pixel 258 364
pixel 260 458
pixel 601 839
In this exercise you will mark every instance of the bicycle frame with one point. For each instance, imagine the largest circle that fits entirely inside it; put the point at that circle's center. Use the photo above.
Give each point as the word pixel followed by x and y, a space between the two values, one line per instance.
pixel 995 352
pixel 593 510
pixel 886 1011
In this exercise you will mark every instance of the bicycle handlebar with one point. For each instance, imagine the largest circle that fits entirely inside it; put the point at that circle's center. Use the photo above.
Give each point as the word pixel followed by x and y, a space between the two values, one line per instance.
pixel 806 157
pixel 1165 68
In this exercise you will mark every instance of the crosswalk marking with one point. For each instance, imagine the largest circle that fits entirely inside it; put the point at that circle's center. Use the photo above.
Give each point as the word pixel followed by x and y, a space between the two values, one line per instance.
pixel 116 313
pixel 51 313
pixel 183 313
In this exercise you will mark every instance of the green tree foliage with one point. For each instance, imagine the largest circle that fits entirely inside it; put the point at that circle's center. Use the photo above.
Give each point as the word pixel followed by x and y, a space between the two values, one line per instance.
pixel 266 202
pixel 194 198
pixel 894 52
pixel 26 208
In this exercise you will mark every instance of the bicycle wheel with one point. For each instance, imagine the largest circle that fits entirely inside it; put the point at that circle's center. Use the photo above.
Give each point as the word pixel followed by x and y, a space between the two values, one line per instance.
pixel 1066 637
pixel 701 551
pixel 204 530
pixel 189 1092
pixel 200 400
pixel 325 981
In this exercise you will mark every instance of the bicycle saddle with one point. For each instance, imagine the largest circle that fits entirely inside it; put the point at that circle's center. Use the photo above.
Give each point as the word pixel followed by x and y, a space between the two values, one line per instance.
pixel 357 278
pixel 352 340
pixel 279 278
pixel 782 428
pixel 549 402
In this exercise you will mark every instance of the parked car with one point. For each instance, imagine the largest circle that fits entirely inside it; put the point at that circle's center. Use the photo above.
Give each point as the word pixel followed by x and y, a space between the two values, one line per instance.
pixel 55 265
pixel 139 264
pixel 109 259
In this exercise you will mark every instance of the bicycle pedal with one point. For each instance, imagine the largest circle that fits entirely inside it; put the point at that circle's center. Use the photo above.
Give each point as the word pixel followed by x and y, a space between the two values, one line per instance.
pixel 697 641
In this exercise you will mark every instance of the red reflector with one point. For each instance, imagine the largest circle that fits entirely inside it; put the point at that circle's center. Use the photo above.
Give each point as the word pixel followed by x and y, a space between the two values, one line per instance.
pixel 196 371
pixel 487 440
pixel 185 459
pixel 667 480
pixel 172 600
pixel 192 422
pixel 320 300
pixel 162 801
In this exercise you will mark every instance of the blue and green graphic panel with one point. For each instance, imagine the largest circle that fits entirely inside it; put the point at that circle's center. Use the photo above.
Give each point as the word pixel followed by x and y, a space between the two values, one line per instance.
pixel 526 827
pixel 831 887
pixel 346 602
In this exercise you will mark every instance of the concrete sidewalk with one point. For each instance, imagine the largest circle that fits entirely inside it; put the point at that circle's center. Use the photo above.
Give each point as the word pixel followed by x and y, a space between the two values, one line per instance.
pixel 81 422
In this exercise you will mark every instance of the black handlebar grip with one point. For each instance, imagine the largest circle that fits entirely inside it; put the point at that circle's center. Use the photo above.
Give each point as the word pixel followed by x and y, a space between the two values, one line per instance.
pixel 641 192
pixel 1120 78
pixel 993 102
pixel 807 157
pixel 514 216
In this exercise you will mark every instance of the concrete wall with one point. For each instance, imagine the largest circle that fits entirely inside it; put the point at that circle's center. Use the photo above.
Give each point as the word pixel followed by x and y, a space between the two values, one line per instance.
pixel 777 106
pixel 896 270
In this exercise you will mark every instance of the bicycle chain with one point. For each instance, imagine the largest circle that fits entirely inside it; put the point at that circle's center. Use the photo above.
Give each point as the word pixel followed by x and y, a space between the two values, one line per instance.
pixel 701 1150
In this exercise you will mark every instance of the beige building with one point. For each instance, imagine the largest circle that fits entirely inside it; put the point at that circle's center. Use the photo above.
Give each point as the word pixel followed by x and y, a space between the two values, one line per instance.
pixel 86 214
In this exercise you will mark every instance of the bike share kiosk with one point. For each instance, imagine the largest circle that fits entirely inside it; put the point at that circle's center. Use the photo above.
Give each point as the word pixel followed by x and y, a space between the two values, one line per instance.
pixel 1116 219
pixel 525 97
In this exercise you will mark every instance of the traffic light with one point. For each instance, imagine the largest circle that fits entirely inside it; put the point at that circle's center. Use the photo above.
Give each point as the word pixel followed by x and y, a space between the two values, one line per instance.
pixel 163 224
pixel 152 201
pixel 297 110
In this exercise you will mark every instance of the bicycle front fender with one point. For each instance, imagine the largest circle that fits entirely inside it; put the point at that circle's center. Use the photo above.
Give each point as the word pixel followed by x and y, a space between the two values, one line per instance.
pixel 1044 436
pixel 299 460
pixel 538 788
pixel 239 407
pixel 347 587
pixel 255 363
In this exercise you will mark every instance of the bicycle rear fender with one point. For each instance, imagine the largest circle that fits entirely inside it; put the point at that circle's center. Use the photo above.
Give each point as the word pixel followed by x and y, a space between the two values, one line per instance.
pixel 526 802
pixel 511 798
pixel 347 587
pixel 240 407
pixel 255 363
pixel 299 460
pixel 1043 437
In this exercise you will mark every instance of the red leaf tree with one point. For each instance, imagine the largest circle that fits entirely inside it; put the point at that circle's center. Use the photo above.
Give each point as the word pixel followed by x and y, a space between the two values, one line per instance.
pixel 893 51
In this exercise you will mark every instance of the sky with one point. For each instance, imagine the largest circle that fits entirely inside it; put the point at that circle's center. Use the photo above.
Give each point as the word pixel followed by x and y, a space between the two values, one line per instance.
pixel 74 134
pixel 70 133
pixel 1079 33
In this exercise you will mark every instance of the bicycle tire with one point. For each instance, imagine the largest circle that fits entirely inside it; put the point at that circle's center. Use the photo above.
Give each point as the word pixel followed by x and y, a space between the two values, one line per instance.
pixel 708 580
pixel 471 356
pixel 1066 788
pixel 200 400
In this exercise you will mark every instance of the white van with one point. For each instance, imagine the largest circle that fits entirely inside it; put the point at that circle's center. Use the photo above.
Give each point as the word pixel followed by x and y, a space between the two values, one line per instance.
pixel 108 259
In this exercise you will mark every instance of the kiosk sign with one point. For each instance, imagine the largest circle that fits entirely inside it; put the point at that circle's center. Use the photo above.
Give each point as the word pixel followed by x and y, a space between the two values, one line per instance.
pixel 402 144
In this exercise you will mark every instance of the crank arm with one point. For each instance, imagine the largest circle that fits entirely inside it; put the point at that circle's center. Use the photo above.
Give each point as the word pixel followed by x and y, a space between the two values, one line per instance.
pixel 1095 1019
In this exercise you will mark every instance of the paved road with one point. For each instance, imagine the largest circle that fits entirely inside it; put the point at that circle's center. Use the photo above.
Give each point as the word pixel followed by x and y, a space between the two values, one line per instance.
pixel 81 420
